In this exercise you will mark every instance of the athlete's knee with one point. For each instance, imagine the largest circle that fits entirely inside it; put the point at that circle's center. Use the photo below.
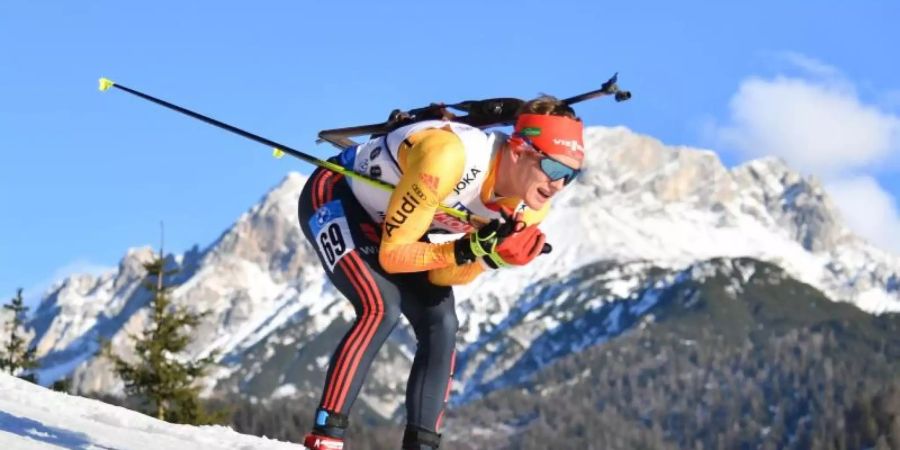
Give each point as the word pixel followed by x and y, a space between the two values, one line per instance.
pixel 391 315
pixel 441 325
pixel 386 317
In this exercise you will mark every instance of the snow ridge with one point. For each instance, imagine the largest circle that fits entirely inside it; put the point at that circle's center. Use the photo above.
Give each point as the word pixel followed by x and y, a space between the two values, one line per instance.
pixel 32 418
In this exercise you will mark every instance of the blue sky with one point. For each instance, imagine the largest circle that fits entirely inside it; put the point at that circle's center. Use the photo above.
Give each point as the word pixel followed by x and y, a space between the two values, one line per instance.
pixel 87 175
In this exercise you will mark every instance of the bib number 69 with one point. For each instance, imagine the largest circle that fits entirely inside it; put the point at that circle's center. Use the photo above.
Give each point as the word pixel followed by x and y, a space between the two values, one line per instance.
pixel 332 233
pixel 332 243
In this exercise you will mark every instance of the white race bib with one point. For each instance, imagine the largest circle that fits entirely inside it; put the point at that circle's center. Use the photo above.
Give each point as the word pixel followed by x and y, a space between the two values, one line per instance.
pixel 332 233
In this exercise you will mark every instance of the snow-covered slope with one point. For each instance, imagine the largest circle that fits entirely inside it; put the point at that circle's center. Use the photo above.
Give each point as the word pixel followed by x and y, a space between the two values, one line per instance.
pixel 32 418
pixel 274 317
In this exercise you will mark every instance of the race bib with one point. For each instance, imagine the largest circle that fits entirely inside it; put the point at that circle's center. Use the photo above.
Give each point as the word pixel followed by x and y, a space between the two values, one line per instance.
pixel 332 233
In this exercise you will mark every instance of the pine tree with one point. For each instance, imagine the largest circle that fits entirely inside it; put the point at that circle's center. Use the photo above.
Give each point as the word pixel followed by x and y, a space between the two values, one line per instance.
pixel 16 358
pixel 165 382
pixel 62 385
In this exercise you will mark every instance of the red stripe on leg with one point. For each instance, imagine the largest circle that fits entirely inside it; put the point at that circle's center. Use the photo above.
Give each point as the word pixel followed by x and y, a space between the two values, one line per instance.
pixel 322 186
pixel 352 341
pixel 334 179
pixel 437 425
pixel 359 345
pixel 450 380
pixel 317 187
pixel 378 313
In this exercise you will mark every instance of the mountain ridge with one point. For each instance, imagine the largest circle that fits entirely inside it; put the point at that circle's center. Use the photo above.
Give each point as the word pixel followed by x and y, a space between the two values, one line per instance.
pixel 637 201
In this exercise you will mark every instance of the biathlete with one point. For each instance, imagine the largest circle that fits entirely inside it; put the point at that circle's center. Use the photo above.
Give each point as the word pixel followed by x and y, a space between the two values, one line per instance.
pixel 374 247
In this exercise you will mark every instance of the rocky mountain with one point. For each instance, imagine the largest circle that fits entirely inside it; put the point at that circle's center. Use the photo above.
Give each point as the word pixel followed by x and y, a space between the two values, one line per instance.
pixel 734 353
pixel 641 219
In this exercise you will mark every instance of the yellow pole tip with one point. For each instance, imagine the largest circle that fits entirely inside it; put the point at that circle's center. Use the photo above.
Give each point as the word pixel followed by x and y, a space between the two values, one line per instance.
pixel 105 83
pixel 277 153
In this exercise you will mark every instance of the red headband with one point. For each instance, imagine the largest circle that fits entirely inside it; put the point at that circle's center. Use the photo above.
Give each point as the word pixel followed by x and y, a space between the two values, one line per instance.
pixel 553 135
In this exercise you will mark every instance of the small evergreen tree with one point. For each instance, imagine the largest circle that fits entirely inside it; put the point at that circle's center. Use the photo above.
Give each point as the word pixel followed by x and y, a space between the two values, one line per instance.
pixel 16 358
pixel 159 378
pixel 62 385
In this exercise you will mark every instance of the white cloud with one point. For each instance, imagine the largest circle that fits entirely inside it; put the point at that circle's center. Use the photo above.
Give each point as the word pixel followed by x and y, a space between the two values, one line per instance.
pixel 819 125
pixel 812 66
pixel 867 209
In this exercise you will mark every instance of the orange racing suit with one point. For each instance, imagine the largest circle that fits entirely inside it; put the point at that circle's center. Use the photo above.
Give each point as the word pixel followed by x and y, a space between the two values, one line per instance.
pixel 376 250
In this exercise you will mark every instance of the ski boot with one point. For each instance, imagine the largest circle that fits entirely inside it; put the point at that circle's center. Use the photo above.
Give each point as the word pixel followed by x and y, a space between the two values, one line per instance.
pixel 315 441
pixel 328 431
pixel 418 438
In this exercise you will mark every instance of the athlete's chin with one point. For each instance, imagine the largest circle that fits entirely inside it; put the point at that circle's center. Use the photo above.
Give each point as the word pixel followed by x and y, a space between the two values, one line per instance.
pixel 535 201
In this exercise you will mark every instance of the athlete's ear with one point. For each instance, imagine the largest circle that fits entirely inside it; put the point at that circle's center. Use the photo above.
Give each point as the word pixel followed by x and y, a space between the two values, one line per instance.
pixel 516 149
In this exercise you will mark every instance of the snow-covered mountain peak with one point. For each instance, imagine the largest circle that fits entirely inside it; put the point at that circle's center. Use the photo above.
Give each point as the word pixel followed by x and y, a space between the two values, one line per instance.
pixel 81 301
pixel 132 264
pixel 267 234
pixel 629 170
pixel 799 204
pixel 640 168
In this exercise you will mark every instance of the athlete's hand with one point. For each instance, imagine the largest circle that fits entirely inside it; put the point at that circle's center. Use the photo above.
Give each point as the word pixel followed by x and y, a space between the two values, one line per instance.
pixel 502 243
pixel 521 247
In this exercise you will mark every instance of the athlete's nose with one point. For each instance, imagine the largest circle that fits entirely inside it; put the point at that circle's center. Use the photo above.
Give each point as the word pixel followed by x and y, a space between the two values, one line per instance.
pixel 558 185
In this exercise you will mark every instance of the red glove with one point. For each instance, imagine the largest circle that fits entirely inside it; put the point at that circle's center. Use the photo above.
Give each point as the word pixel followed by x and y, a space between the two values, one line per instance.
pixel 501 244
pixel 522 247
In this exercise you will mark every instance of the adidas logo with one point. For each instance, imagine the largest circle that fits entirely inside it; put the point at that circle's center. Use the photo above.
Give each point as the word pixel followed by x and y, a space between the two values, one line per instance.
pixel 329 445
pixel 430 181
pixel 313 442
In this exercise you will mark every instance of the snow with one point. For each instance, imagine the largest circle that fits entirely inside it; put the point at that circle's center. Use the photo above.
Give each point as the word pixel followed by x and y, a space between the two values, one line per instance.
pixel 33 417
pixel 247 280
pixel 49 374
pixel 285 390
pixel 876 301
pixel 623 287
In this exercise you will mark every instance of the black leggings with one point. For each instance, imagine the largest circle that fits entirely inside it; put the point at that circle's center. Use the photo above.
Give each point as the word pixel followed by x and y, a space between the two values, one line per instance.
pixel 348 251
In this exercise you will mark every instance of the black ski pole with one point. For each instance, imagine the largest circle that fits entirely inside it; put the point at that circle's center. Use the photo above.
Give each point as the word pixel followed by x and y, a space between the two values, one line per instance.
pixel 280 149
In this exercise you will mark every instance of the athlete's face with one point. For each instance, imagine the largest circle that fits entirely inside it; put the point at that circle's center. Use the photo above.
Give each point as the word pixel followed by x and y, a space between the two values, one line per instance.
pixel 535 186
